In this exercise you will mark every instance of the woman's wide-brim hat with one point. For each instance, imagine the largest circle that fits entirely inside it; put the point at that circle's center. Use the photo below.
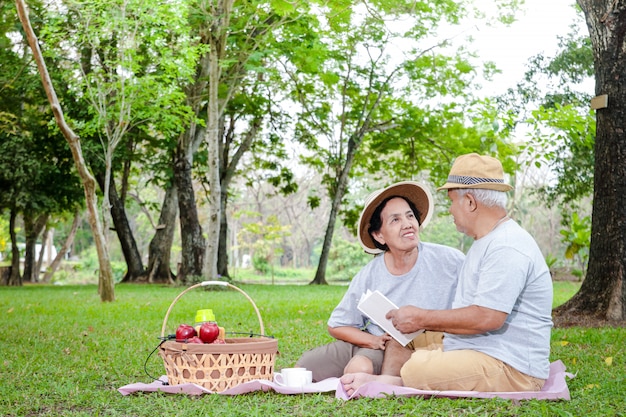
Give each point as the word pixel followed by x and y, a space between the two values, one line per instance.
pixel 412 191
pixel 476 171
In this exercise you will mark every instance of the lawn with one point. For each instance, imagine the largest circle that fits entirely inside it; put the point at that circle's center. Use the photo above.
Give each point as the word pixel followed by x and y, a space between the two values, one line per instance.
pixel 64 353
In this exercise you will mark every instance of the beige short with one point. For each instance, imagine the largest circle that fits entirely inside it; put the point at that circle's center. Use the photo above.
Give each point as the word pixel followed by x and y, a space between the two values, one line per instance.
pixel 430 368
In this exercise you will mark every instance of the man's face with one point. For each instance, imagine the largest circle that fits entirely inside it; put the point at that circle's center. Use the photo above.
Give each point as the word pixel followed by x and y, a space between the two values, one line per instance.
pixel 400 228
pixel 458 209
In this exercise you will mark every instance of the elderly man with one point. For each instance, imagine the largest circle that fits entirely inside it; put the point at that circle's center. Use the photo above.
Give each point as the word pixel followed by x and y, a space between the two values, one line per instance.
pixel 496 336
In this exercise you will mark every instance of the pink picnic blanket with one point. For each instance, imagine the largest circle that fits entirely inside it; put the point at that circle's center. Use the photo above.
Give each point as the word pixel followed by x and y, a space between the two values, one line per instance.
pixel 555 388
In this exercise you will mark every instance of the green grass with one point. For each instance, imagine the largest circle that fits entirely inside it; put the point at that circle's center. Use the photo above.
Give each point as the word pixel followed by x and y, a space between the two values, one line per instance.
pixel 563 291
pixel 64 353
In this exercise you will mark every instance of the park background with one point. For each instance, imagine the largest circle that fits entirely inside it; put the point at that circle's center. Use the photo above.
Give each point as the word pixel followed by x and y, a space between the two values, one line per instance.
pixel 272 220
pixel 319 103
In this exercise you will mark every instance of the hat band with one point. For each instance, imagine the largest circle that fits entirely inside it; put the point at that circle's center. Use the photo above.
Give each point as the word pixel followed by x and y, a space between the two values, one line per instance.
pixel 465 180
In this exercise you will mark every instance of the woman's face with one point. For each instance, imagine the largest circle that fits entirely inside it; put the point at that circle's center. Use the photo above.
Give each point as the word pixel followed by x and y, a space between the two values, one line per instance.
pixel 400 228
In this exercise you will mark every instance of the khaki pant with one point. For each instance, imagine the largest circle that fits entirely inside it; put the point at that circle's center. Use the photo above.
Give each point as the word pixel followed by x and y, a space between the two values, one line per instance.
pixel 430 368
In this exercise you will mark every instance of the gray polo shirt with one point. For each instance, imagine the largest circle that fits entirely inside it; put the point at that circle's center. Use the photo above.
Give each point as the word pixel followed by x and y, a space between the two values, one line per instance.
pixel 506 271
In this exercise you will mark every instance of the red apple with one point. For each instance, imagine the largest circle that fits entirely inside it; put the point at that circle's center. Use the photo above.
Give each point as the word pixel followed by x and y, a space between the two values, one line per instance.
pixel 195 339
pixel 209 332
pixel 184 332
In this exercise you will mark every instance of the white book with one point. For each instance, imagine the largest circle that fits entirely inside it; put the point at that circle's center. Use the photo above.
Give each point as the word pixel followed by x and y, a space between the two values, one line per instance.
pixel 376 306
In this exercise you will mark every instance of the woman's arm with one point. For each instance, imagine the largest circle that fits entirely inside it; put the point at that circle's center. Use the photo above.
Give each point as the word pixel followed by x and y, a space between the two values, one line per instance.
pixel 359 337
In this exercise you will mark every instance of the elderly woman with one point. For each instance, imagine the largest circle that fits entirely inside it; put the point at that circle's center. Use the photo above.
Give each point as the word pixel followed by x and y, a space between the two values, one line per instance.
pixel 406 270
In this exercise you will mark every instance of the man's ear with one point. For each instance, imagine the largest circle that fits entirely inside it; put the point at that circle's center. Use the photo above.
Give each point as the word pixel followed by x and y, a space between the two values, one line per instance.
pixel 471 202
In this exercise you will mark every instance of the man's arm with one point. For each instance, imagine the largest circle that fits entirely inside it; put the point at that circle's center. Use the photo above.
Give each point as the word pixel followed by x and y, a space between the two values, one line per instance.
pixel 466 320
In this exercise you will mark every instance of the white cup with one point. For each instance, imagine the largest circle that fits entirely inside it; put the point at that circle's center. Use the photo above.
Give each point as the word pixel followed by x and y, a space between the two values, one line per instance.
pixel 293 377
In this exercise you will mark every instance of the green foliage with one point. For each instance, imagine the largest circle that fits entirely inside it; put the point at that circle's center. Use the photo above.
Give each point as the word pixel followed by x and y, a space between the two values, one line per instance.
pixel 564 139
pixel 442 230
pixel 74 367
pixel 282 275
pixel 387 126
pixel 578 239
pixel 123 86
pixel 263 238
pixel 32 155
pixel 557 111
pixel 86 270
pixel 345 260
pixel 551 260
pixel 4 236
pixel 260 262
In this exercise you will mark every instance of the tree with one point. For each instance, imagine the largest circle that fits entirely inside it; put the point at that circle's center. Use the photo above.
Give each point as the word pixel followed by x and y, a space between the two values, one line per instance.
pixel 132 56
pixel 231 92
pixel 105 277
pixel 553 104
pixel 562 128
pixel 159 250
pixel 67 243
pixel 125 62
pixel 364 105
pixel 32 156
pixel 603 292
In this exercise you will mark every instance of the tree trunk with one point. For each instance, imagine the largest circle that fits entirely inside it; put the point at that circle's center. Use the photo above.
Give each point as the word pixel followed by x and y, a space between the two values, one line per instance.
pixel 193 243
pixel 228 169
pixel 220 18
pixel 64 249
pixel 159 251
pixel 338 194
pixel 32 230
pixel 106 285
pixel 15 278
pixel 134 266
pixel 45 248
pixel 603 293
pixel 222 250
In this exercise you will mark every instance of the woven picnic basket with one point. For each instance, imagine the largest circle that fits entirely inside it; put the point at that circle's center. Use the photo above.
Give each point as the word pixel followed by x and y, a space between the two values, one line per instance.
pixel 218 367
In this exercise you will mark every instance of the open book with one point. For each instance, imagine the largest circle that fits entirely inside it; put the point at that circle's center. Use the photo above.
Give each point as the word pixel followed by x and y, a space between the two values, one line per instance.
pixel 376 306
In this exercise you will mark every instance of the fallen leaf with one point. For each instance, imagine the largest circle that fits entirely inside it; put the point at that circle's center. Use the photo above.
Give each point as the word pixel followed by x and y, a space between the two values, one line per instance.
pixel 609 360
pixel 564 343
pixel 10 310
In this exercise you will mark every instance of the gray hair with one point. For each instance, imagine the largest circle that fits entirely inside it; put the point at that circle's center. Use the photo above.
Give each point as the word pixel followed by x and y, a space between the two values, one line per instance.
pixel 490 198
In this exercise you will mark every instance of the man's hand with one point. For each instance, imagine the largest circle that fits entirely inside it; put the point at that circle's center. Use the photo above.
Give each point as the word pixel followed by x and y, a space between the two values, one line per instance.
pixel 407 319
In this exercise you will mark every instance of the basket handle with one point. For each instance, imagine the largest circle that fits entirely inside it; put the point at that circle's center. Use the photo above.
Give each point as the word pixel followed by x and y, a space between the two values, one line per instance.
pixel 206 284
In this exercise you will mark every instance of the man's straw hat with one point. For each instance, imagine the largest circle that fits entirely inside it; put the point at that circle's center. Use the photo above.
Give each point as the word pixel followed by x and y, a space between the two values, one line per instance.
pixel 476 171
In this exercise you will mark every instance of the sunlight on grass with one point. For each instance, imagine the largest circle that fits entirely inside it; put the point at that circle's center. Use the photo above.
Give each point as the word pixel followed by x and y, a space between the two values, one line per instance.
pixel 563 291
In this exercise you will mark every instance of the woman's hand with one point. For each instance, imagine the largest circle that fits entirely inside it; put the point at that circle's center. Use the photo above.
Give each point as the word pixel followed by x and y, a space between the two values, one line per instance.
pixel 380 342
